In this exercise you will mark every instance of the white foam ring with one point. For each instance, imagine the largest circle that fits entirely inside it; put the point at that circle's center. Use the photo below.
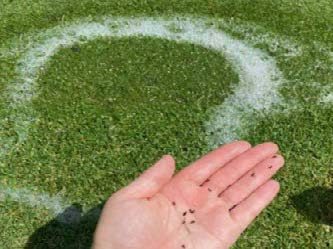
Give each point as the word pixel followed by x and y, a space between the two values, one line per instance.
pixel 259 78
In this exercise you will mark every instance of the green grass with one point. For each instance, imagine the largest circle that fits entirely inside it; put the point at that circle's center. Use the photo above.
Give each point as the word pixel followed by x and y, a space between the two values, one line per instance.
pixel 107 109
pixel 116 110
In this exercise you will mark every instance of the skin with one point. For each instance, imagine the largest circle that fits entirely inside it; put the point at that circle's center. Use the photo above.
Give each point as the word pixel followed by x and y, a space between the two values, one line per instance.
pixel 206 205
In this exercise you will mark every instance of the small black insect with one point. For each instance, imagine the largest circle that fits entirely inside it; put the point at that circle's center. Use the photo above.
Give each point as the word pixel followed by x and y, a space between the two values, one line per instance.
pixel 184 214
pixel 192 211
pixel 270 167
pixel 192 222
pixel 183 246
pixel 173 203
pixel 253 174
pixel 209 190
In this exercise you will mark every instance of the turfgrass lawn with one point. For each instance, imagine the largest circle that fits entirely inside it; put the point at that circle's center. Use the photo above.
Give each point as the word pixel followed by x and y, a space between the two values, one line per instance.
pixel 109 108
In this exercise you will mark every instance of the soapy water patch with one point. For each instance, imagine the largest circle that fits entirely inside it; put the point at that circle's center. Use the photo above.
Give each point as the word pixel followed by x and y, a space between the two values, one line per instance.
pixel 256 94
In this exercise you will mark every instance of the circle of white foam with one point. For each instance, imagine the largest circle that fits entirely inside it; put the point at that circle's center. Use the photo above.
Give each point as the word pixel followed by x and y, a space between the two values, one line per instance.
pixel 259 77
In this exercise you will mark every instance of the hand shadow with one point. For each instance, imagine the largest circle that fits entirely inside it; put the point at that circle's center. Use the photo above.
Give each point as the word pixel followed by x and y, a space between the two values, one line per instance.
pixel 316 204
pixel 68 230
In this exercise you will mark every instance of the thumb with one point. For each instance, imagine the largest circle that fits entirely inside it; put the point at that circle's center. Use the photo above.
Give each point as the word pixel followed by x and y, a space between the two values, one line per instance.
pixel 151 181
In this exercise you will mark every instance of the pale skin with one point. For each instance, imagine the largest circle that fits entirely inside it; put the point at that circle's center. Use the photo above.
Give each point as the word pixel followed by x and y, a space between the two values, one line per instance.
pixel 206 205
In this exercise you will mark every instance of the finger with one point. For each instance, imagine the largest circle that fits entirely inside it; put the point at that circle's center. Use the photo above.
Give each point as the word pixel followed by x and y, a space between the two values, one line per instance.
pixel 251 207
pixel 203 168
pixel 252 180
pixel 151 181
pixel 231 172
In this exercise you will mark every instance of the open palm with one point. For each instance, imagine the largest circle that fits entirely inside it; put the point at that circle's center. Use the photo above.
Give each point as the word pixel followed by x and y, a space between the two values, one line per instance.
pixel 206 205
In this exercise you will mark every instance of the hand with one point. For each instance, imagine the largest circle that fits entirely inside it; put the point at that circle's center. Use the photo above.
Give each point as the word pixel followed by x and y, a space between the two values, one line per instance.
pixel 206 205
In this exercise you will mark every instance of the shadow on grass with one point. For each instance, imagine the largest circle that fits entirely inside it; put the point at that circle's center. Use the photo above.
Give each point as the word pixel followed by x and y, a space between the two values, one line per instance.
pixel 68 230
pixel 316 204
pixel 72 230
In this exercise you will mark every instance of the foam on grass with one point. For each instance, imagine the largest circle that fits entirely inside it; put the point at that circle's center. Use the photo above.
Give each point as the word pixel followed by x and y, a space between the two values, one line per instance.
pixel 55 205
pixel 257 35
pixel 257 91
pixel 327 99
pixel 259 76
